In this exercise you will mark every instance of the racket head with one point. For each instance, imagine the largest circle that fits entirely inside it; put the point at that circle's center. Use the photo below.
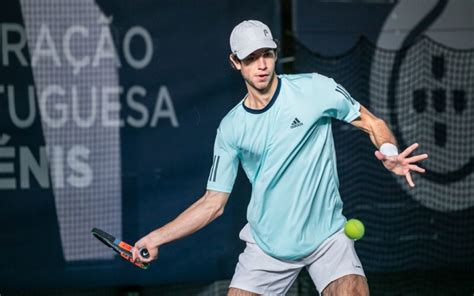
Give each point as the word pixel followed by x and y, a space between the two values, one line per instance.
pixel 105 238
pixel 122 248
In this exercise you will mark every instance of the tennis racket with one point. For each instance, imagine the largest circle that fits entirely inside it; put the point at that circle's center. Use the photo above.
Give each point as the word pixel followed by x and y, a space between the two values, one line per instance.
pixel 121 247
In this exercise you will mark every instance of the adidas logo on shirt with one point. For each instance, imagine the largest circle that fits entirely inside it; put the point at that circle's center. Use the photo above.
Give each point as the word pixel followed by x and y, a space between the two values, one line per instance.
pixel 296 123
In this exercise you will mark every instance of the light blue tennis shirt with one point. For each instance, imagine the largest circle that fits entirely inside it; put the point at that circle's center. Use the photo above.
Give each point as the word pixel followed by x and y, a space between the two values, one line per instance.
pixel 287 152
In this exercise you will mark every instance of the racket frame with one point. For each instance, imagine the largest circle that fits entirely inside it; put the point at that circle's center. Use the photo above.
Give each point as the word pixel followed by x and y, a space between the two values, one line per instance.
pixel 120 247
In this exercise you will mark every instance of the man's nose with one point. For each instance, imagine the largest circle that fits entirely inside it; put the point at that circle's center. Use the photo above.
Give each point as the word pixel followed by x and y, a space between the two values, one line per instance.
pixel 262 64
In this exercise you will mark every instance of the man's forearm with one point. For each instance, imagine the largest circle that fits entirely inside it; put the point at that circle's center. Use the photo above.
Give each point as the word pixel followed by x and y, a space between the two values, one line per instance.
pixel 380 133
pixel 201 213
pixel 377 129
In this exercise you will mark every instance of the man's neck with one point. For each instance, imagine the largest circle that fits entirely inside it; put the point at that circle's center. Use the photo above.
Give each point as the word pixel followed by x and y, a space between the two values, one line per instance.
pixel 258 99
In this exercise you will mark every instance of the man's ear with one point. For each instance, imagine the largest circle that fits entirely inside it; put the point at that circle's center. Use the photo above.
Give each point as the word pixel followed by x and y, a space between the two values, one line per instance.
pixel 234 62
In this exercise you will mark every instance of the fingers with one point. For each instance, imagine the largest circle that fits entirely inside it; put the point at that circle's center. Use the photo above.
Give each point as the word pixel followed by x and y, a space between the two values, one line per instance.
pixel 140 245
pixel 137 257
pixel 417 158
pixel 135 253
pixel 401 163
pixel 409 180
pixel 379 155
pixel 409 150
pixel 416 168
pixel 136 249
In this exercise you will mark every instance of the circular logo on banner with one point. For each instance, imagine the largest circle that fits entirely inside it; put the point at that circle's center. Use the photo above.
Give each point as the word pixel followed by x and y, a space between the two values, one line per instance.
pixel 424 88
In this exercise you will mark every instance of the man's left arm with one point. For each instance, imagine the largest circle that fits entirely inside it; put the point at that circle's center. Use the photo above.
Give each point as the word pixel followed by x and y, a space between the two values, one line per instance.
pixel 382 137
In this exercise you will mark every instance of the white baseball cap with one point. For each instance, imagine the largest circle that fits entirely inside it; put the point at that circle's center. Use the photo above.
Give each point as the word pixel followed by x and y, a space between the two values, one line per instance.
pixel 248 36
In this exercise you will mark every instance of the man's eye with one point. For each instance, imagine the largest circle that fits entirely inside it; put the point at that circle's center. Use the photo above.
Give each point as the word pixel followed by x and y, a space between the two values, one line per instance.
pixel 268 54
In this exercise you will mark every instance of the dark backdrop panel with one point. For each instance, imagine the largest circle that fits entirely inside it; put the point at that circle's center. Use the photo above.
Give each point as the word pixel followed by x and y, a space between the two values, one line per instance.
pixel 428 227
pixel 164 165
pixel 332 27
pixel 30 230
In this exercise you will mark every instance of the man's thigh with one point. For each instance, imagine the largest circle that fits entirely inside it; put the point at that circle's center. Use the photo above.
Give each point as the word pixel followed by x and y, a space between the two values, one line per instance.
pixel 333 260
pixel 259 273
pixel 352 284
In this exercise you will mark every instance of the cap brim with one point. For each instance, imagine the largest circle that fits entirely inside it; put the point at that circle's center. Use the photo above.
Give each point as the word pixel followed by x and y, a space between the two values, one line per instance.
pixel 268 43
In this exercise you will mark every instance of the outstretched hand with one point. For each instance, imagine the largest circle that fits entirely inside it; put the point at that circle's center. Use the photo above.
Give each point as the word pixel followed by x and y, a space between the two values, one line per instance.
pixel 402 164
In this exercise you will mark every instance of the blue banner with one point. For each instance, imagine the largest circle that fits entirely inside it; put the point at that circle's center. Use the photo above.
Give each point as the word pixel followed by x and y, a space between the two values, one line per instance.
pixel 109 113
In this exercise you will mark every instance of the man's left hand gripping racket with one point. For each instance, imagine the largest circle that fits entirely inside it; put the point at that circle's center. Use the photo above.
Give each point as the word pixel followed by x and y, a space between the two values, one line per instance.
pixel 121 247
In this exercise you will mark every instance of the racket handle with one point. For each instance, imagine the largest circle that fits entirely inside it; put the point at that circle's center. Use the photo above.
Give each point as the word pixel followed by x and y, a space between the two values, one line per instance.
pixel 144 253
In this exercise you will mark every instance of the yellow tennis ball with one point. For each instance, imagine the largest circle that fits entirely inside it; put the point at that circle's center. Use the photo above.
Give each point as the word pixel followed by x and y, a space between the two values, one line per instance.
pixel 354 229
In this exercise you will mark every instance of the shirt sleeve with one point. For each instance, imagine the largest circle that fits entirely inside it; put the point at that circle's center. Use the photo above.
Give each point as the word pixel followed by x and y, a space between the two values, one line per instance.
pixel 224 165
pixel 340 104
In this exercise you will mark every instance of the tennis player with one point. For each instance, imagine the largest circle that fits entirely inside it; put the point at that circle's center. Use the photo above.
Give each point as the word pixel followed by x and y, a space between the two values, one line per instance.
pixel 281 135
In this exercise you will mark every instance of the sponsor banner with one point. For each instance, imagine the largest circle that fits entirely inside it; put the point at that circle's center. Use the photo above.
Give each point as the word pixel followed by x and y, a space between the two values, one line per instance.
pixel 108 115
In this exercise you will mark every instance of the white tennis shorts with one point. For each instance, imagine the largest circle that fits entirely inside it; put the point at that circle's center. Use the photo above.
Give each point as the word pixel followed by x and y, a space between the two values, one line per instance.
pixel 260 273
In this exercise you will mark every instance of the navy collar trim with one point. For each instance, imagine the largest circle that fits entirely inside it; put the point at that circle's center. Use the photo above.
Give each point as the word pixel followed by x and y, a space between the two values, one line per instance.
pixel 269 105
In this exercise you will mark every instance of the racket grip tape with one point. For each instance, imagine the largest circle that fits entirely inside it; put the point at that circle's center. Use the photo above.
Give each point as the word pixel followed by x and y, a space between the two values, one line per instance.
pixel 144 253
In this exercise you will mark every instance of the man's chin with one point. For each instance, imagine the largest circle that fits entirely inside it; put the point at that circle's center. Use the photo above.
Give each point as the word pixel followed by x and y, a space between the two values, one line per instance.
pixel 262 86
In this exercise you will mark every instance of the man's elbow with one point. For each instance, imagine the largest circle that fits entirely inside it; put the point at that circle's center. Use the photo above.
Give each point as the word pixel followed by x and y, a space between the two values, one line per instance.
pixel 219 212
pixel 215 204
pixel 215 209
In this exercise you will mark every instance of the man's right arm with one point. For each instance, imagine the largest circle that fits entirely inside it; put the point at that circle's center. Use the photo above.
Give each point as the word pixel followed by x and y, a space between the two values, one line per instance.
pixel 201 213
pixel 210 206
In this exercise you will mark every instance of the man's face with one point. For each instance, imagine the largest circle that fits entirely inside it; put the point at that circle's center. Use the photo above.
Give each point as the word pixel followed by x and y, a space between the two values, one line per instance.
pixel 258 68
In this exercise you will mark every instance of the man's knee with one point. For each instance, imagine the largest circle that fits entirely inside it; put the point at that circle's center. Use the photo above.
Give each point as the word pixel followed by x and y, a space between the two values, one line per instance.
pixel 351 284
pixel 238 292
